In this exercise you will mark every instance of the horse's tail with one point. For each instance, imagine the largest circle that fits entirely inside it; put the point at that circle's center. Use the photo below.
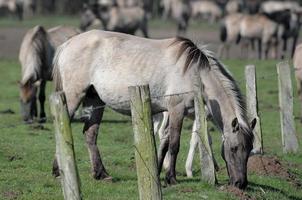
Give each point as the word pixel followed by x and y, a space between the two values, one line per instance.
pixel 56 71
pixel 223 33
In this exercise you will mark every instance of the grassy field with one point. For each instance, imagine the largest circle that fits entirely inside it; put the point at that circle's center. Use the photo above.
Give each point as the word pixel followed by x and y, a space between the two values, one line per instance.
pixel 27 151
pixel 51 21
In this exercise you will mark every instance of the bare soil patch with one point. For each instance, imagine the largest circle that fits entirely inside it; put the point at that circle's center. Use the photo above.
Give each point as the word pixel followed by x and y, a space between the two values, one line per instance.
pixel 11 194
pixel 238 193
pixel 271 166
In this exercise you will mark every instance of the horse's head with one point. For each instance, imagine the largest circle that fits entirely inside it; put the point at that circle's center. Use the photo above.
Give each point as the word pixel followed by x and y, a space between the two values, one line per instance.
pixel 236 148
pixel 88 15
pixel 28 100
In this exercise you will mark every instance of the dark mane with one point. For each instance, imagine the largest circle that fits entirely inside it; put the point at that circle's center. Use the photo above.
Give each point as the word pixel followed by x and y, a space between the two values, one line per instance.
pixel 194 54
pixel 239 100
pixel 40 42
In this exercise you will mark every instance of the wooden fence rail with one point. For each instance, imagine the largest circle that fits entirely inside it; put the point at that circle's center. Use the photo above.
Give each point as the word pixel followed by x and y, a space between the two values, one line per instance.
pixel 144 143
pixel 289 138
pixel 252 106
pixel 208 173
pixel 64 148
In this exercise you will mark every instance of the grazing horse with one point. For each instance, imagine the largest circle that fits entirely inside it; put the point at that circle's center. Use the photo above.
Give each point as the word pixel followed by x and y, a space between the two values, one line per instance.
pixel 290 23
pixel 275 6
pixel 229 33
pixel 298 73
pixel 206 9
pixel 115 18
pixel 36 54
pixel 13 6
pixel 261 28
pixel 97 67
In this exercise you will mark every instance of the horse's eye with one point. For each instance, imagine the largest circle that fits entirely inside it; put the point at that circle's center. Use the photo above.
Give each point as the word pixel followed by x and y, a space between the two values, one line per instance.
pixel 234 149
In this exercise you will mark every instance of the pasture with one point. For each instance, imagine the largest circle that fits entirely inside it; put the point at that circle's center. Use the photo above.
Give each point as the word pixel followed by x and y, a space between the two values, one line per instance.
pixel 27 151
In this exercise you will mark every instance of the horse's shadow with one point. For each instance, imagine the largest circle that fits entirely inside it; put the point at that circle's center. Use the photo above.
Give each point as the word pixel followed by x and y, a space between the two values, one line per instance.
pixel 253 187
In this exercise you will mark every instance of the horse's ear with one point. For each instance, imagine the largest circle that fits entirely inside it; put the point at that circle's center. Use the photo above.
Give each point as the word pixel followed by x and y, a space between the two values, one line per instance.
pixel 235 125
pixel 253 123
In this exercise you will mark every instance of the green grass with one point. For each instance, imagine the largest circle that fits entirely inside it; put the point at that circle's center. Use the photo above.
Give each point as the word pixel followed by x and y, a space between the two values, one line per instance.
pixel 26 153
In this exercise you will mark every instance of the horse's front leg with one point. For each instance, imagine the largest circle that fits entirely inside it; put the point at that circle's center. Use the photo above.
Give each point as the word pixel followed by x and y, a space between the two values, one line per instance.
pixel 259 48
pixel 42 102
pixel 284 48
pixel 176 115
pixel 91 128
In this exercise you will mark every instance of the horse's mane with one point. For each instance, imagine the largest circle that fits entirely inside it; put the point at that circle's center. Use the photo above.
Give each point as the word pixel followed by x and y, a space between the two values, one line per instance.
pixel 34 46
pixel 229 84
pixel 195 55
pixel 234 94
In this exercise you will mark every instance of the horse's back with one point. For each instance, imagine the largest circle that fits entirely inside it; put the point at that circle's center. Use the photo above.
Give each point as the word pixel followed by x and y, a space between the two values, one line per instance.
pixel 113 61
pixel 232 24
pixel 257 26
pixel 60 34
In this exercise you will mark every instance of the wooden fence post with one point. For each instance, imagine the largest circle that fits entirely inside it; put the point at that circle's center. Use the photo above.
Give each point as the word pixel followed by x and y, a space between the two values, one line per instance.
pixel 252 106
pixel 145 148
pixel 289 138
pixel 64 147
pixel 208 173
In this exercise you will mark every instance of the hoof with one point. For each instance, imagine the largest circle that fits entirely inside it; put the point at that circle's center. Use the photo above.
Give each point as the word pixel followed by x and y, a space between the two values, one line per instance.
pixel 29 121
pixel 108 179
pixel 171 180
pixel 189 173
pixel 42 120
pixel 102 175
pixel 55 172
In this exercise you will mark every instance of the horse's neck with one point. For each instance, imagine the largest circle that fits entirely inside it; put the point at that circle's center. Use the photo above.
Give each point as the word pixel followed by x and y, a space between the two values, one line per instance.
pixel 221 106
pixel 47 54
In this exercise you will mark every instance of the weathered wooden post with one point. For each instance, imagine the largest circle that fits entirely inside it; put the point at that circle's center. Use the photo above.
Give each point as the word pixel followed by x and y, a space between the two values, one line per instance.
pixel 145 148
pixel 289 138
pixel 64 147
pixel 252 106
pixel 208 173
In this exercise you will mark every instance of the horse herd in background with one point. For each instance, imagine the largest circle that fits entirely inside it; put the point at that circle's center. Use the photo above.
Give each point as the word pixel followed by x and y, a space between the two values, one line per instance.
pixel 96 67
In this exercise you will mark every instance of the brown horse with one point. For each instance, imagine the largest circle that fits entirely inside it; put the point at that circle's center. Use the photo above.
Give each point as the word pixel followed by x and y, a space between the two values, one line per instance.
pixel 110 62
pixel 36 54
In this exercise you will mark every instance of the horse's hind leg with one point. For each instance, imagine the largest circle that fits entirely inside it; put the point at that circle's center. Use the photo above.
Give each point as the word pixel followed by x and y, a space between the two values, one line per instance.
pixel 193 144
pixel 91 128
pixel 176 115
pixel 164 141
pixel 42 102
pixel 144 27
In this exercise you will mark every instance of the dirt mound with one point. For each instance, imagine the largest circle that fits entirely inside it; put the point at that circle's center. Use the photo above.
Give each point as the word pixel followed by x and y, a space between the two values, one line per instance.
pixel 264 165
pixel 237 192
pixel 271 166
